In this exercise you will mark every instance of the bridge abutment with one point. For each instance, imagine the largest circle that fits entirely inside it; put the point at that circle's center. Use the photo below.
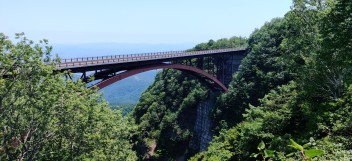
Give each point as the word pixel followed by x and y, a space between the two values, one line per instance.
pixel 226 66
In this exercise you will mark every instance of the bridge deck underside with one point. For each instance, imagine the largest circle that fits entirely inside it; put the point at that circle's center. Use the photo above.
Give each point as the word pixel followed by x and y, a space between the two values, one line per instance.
pixel 77 65
pixel 108 67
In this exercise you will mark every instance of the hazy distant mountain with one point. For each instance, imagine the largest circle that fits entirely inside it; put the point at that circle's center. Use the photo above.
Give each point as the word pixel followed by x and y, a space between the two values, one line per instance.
pixel 126 91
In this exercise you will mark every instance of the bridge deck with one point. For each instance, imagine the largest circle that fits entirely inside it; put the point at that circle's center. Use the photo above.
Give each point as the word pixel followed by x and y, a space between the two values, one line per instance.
pixel 66 64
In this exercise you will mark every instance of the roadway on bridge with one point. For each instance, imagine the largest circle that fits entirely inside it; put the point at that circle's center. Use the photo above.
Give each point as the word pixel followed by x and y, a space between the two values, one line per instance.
pixel 66 64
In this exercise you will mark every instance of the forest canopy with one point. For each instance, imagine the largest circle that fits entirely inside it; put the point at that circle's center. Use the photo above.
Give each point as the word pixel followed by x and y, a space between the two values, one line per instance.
pixel 291 99
pixel 45 117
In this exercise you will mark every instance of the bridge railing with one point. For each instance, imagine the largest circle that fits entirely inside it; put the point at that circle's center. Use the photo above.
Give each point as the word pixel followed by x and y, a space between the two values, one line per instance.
pixel 73 62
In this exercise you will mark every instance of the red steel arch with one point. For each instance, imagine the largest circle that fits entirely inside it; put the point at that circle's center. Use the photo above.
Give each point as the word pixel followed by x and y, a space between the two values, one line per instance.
pixel 132 72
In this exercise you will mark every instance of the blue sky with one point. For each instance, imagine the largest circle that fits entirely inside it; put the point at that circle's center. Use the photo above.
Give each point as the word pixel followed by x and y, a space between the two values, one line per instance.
pixel 136 21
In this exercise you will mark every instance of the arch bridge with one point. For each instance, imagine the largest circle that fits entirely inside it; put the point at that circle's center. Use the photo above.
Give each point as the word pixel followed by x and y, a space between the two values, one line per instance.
pixel 212 67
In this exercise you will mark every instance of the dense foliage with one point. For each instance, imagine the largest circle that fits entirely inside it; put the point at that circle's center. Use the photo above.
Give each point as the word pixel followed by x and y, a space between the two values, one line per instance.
pixel 313 105
pixel 261 70
pixel 45 117
pixel 166 111
pixel 222 44
pixel 290 100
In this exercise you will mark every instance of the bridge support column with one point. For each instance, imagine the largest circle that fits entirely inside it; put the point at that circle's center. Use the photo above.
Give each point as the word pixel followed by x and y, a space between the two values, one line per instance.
pixel 226 66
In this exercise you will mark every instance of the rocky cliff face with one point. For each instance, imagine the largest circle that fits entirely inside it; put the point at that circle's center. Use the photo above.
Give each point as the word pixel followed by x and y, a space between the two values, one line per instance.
pixel 202 127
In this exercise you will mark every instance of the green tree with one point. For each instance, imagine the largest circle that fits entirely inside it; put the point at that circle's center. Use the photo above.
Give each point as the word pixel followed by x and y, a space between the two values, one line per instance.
pixel 260 71
pixel 45 117
pixel 166 110
pixel 330 72
pixel 316 48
